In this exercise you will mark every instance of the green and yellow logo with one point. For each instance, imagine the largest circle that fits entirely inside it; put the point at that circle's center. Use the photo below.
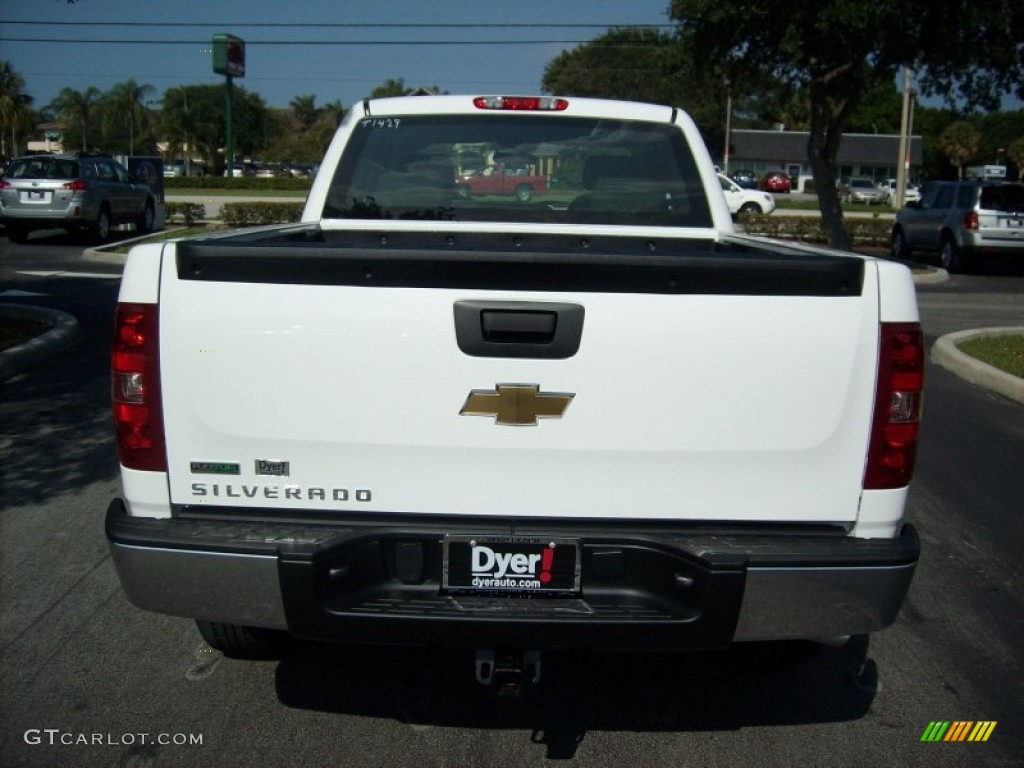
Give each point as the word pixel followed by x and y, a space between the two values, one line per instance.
pixel 958 730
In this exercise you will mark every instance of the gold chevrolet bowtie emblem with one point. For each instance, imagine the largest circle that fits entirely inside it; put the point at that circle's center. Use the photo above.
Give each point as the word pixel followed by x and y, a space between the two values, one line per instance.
pixel 516 404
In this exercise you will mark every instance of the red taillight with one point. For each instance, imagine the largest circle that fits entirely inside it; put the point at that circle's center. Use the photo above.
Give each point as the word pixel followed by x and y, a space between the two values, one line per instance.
pixel 76 186
pixel 522 103
pixel 971 221
pixel 4 184
pixel 135 388
pixel 898 398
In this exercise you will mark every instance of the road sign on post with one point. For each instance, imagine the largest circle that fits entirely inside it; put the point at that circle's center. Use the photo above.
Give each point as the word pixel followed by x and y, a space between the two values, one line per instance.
pixel 229 60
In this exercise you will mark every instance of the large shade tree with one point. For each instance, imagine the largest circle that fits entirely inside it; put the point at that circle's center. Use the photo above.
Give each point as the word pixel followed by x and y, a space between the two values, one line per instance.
pixel 194 116
pixel 631 64
pixel 969 51
pixel 646 64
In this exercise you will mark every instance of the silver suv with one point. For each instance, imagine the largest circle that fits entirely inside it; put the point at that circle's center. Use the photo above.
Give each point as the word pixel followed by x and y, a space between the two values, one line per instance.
pixel 962 220
pixel 81 193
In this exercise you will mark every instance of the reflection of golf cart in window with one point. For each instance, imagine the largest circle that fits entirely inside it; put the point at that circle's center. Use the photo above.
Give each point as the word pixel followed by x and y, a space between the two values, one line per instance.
pixel 481 169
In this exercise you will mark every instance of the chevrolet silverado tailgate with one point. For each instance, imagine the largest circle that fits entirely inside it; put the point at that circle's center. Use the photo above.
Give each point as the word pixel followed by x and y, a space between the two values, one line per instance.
pixel 712 386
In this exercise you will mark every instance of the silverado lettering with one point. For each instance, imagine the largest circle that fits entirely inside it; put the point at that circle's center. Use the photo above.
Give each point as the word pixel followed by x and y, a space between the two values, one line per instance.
pixel 286 492
pixel 734 465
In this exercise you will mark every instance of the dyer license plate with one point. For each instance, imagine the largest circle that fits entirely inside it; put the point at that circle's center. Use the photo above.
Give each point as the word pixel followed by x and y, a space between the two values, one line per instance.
pixel 518 565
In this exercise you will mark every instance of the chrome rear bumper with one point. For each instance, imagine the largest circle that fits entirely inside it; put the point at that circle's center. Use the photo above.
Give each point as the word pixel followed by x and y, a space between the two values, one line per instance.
pixel 642 587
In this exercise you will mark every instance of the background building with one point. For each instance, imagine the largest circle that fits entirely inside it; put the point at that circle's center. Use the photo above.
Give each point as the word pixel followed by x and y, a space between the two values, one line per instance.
pixel 874 156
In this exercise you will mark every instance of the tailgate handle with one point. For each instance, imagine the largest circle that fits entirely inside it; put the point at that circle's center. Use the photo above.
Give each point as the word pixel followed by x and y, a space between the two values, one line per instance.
pixel 511 327
pixel 541 329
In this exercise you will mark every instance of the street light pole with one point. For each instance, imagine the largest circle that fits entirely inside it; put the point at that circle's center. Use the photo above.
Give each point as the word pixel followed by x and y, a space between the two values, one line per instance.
pixel 728 127
pixel 904 159
pixel 230 144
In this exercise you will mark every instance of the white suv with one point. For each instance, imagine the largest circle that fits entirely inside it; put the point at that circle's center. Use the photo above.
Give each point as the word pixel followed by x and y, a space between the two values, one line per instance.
pixel 742 200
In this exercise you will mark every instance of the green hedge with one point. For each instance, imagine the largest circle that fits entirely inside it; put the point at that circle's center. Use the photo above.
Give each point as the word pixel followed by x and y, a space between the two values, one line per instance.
pixel 873 232
pixel 808 229
pixel 259 213
pixel 240 182
pixel 185 213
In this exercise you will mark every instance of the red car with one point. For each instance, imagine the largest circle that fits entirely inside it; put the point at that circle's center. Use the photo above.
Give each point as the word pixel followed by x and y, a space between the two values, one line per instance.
pixel 776 181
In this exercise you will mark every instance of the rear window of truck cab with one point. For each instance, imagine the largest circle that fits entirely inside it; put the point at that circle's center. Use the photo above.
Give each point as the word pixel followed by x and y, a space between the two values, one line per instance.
pixel 518 168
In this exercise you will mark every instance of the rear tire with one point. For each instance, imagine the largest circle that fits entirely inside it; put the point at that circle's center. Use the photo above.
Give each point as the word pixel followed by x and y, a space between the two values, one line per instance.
pixel 240 642
pixel 900 247
pixel 950 257
pixel 524 192
pixel 101 227
pixel 749 208
pixel 145 223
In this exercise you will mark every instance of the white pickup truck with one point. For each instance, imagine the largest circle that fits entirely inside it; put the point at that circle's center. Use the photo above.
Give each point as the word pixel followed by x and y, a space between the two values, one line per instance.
pixel 599 419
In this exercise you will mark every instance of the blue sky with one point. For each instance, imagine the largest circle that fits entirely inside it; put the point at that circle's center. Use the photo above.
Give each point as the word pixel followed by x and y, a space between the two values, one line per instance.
pixel 468 59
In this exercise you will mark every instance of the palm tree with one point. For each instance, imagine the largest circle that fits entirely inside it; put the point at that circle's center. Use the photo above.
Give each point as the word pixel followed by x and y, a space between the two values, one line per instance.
pixel 305 110
pixel 14 106
pixel 125 100
pixel 390 87
pixel 960 142
pixel 334 111
pixel 180 124
pixel 76 106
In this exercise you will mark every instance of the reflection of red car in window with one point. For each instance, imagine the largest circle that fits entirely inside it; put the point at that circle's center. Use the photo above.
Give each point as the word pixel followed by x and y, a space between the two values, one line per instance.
pixel 501 180
pixel 776 182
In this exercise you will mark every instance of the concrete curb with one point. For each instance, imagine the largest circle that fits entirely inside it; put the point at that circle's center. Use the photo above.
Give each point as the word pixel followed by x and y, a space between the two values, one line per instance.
pixel 946 354
pixel 933 276
pixel 64 334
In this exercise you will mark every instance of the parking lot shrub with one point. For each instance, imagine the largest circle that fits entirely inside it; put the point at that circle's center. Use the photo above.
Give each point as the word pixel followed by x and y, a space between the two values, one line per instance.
pixel 184 213
pixel 259 213
pixel 808 229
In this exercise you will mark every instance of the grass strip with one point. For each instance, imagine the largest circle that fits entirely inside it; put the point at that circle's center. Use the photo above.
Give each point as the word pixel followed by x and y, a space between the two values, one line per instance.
pixel 1003 352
